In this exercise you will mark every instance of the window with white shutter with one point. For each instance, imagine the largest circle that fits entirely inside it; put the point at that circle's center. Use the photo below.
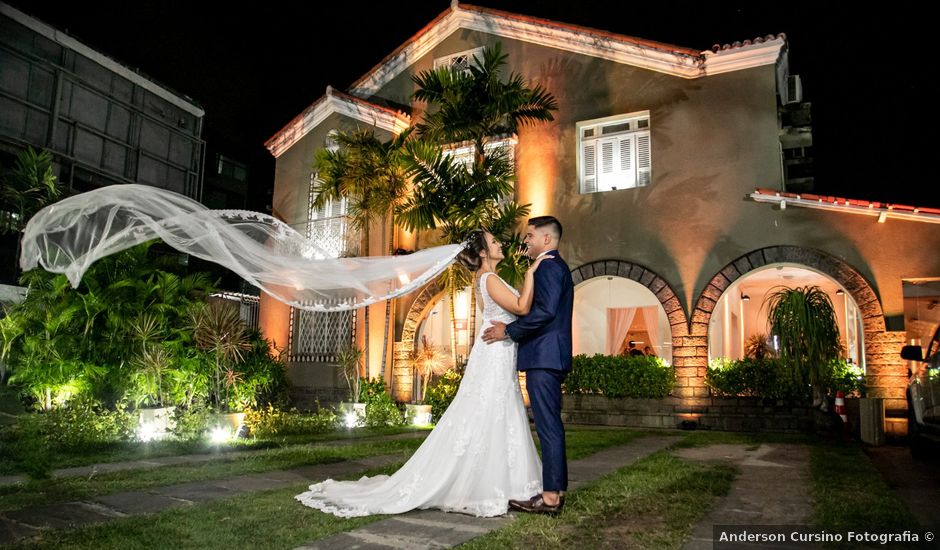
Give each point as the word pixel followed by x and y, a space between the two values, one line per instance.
pixel 614 153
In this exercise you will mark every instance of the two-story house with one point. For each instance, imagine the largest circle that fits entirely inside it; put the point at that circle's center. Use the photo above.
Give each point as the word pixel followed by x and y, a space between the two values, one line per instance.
pixel 665 165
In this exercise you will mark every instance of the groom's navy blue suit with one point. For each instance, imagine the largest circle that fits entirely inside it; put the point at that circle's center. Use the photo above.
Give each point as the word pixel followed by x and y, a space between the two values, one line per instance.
pixel 544 338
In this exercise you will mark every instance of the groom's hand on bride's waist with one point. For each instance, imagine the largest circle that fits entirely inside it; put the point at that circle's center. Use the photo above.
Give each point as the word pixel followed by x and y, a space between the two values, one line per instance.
pixel 495 333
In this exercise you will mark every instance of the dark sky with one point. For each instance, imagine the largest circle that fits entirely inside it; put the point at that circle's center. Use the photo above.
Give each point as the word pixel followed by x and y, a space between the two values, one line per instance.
pixel 255 66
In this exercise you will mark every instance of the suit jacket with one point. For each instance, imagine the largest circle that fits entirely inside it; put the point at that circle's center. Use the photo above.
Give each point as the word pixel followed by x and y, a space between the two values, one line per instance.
pixel 544 335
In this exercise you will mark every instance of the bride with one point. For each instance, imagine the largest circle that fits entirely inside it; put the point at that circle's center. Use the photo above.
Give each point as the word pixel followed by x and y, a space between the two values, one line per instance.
pixel 481 454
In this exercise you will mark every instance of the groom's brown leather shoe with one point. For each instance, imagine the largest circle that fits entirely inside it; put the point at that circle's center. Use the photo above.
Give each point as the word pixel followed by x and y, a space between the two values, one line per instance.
pixel 522 505
pixel 537 506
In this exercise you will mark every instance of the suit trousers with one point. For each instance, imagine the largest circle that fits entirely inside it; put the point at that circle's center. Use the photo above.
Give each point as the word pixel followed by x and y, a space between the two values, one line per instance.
pixel 544 388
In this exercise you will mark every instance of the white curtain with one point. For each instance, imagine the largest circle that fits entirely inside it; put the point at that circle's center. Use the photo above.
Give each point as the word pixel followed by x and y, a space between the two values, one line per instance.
pixel 619 320
pixel 651 320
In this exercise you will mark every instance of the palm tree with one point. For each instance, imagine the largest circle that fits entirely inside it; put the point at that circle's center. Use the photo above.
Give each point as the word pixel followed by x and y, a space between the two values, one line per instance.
pixel 473 106
pixel 371 175
pixel 217 328
pixel 805 322
pixel 27 188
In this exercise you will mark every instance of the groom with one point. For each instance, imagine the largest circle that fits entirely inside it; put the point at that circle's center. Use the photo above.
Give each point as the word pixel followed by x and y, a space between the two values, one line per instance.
pixel 544 338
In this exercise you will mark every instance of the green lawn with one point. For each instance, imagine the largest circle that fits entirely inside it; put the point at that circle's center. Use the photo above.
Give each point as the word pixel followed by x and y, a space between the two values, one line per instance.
pixel 76 488
pixel 653 503
pixel 12 463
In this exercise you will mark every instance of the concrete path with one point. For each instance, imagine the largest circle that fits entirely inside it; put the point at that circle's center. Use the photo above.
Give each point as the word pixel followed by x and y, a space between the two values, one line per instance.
pixel 434 529
pixel 773 487
pixel 157 462
pixel 29 521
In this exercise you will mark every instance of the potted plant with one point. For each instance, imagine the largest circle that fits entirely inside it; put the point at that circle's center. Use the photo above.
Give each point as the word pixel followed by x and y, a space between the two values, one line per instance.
pixel 426 362
pixel 351 413
pixel 804 322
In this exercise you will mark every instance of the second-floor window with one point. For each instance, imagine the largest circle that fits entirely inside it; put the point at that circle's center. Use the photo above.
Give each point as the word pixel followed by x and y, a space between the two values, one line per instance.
pixel 326 226
pixel 460 60
pixel 614 152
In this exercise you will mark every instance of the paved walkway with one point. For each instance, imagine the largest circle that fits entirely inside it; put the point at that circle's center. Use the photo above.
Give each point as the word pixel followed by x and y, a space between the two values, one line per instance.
pixel 773 487
pixel 157 462
pixel 423 529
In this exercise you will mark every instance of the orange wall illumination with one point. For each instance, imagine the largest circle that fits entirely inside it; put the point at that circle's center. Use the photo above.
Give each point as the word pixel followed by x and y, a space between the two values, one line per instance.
pixel 537 164
pixel 274 319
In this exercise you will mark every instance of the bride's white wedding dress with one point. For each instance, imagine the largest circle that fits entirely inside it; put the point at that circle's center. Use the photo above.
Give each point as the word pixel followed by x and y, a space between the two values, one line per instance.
pixel 478 457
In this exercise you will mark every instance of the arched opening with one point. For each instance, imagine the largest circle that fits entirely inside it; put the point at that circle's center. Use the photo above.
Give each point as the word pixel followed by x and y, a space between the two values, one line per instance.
pixel 437 329
pixel 739 319
pixel 611 313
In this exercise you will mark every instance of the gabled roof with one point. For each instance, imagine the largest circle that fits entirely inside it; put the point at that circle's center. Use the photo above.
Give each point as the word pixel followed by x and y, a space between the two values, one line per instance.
pixel 344 104
pixel 656 56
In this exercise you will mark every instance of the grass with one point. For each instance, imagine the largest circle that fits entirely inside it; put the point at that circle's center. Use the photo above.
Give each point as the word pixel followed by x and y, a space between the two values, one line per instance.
pixel 75 488
pixel 269 519
pixel 12 463
pixel 653 503
pixel 850 493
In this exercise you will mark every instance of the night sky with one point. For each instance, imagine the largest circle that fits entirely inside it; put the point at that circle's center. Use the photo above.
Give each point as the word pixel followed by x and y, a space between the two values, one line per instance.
pixel 254 67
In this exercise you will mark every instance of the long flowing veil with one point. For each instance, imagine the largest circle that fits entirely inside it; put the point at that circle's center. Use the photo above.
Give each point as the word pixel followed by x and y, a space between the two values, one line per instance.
pixel 70 235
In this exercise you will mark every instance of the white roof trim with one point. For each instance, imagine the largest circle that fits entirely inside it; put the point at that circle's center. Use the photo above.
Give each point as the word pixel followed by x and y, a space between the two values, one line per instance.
pixel 324 107
pixel 743 57
pixel 881 213
pixel 110 64
pixel 583 42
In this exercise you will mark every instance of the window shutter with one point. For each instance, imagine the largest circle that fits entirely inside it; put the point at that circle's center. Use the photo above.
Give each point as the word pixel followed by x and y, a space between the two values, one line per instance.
pixel 644 172
pixel 589 168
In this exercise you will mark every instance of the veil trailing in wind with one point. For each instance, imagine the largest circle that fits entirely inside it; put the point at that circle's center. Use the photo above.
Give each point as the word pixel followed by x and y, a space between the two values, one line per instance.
pixel 70 235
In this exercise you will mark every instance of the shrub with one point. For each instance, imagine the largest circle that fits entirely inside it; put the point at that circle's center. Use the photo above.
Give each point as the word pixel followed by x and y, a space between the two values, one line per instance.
pixel 381 409
pixel 271 421
pixel 442 392
pixel 618 376
pixel 190 423
pixel 773 379
pixel 82 422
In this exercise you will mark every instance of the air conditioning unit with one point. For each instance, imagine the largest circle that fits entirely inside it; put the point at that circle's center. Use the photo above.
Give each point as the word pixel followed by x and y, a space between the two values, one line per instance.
pixel 794 90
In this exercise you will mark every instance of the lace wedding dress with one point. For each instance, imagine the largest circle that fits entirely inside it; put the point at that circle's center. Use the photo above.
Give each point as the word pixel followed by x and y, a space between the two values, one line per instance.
pixel 478 457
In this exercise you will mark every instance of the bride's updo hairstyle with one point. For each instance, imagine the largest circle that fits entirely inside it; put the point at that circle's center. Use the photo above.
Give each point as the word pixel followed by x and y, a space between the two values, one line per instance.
pixel 470 257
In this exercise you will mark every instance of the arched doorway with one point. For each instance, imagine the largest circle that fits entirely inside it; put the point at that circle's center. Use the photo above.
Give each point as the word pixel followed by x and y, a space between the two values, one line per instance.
pixel 614 314
pixel 630 286
pixel 739 318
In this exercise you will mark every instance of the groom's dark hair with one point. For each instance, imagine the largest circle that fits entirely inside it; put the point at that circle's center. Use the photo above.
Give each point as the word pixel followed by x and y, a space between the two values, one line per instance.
pixel 539 222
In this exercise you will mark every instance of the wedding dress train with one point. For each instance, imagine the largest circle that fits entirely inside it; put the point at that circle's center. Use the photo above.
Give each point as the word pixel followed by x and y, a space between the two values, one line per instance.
pixel 478 457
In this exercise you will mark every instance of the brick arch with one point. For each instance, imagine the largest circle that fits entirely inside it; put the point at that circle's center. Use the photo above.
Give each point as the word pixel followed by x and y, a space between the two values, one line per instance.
pixel 678 322
pixel 854 283
pixel 401 374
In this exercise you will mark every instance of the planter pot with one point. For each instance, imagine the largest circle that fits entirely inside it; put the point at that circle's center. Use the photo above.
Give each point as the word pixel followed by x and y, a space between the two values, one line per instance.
pixel 418 415
pixel 154 424
pixel 352 415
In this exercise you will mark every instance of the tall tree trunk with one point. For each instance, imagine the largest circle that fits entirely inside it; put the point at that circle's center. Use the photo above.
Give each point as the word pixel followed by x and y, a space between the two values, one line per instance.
pixel 473 319
pixel 453 324
pixel 365 315
pixel 388 303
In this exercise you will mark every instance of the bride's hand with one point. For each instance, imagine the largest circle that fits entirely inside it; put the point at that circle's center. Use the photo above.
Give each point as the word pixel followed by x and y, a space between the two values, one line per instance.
pixel 536 263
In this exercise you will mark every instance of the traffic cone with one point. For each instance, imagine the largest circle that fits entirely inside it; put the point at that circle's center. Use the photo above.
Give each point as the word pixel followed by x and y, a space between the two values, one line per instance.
pixel 840 410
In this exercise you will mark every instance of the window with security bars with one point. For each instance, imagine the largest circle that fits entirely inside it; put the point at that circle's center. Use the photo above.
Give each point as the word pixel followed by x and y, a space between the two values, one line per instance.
pixel 460 61
pixel 614 153
pixel 327 226
pixel 318 336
